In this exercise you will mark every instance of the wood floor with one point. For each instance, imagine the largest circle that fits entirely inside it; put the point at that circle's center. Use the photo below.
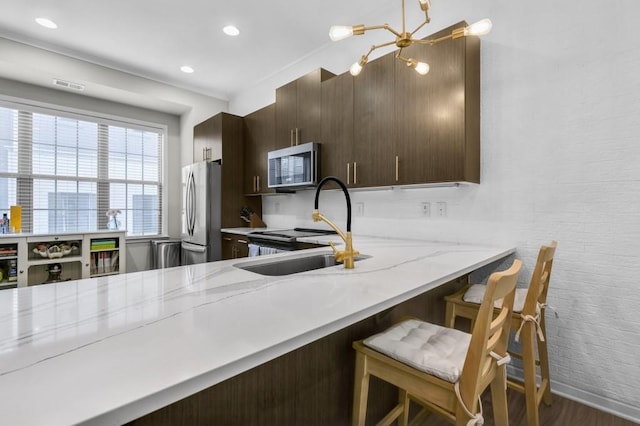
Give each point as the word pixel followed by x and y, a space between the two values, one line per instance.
pixel 563 412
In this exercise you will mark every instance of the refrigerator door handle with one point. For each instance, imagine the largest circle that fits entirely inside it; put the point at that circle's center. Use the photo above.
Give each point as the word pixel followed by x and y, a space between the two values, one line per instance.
pixel 194 202
pixel 187 204
pixel 191 204
pixel 194 247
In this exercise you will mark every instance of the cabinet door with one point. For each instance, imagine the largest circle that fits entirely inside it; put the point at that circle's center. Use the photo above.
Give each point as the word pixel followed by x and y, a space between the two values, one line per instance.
pixel 373 126
pixel 437 137
pixel 259 139
pixel 309 105
pixel 203 141
pixel 242 247
pixel 337 127
pixel 298 109
pixel 227 246
pixel 286 119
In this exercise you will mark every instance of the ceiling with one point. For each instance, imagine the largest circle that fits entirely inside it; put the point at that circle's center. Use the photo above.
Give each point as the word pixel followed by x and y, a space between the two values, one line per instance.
pixel 154 39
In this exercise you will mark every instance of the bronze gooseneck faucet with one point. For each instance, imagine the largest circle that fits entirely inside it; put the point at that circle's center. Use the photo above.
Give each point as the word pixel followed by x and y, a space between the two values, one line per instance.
pixel 347 255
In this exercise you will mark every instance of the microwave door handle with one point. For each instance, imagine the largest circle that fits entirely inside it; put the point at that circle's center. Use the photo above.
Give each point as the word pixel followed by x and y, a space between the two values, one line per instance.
pixel 315 167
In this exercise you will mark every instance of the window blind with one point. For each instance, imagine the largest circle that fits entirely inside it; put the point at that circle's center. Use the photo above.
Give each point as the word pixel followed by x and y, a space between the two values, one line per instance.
pixel 67 170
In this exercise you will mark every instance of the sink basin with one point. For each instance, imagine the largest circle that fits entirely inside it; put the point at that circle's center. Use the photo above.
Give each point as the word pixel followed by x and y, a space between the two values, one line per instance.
pixel 289 265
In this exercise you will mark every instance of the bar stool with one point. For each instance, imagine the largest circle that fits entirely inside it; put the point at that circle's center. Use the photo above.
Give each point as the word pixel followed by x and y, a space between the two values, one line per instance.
pixel 443 369
pixel 527 320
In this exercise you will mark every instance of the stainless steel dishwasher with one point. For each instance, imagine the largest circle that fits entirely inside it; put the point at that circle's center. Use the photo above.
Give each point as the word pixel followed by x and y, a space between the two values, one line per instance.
pixel 165 253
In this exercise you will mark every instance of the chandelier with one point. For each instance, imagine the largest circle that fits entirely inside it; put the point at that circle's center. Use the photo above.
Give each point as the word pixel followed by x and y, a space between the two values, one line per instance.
pixel 405 39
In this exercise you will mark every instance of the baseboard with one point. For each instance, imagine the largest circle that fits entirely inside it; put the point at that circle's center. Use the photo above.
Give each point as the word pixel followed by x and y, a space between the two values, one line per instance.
pixel 601 403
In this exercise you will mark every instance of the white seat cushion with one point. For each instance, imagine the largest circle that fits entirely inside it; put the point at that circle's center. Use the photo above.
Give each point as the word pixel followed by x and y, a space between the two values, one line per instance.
pixel 475 294
pixel 436 350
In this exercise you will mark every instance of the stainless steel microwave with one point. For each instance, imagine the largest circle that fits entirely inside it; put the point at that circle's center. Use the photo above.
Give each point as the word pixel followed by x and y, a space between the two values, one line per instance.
pixel 294 167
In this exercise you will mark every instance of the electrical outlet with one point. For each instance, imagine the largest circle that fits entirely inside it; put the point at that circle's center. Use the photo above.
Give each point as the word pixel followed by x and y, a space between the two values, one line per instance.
pixel 425 209
pixel 360 209
pixel 442 208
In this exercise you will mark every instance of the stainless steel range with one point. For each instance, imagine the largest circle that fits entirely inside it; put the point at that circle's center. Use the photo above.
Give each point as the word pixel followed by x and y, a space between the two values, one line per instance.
pixel 270 242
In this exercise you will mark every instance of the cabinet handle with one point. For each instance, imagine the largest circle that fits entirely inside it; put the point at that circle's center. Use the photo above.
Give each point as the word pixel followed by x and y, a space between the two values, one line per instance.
pixel 297 136
pixel 355 173
pixel 291 138
pixel 226 238
pixel 348 172
pixel 242 241
pixel 396 168
pixel 257 183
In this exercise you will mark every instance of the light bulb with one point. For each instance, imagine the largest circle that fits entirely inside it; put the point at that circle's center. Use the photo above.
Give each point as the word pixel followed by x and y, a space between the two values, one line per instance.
pixel 421 68
pixel 425 4
pixel 340 32
pixel 479 28
pixel 357 67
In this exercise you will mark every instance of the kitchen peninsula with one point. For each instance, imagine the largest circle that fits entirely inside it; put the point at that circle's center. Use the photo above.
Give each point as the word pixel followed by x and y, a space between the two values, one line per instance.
pixel 110 350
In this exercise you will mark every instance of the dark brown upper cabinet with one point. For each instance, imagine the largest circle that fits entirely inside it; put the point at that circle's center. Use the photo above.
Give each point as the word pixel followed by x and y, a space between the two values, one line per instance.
pixel 259 139
pixel 336 155
pixel 373 125
pixel 298 106
pixel 437 115
pixel 223 133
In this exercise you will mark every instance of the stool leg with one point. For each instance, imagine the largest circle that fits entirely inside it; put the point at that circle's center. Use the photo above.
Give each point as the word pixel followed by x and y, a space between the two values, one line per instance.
pixel 499 397
pixel 543 356
pixel 450 315
pixel 403 399
pixel 529 365
pixel 360 390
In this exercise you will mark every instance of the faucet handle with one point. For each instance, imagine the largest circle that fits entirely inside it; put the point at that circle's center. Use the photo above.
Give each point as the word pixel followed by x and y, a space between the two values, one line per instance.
pixel 333 246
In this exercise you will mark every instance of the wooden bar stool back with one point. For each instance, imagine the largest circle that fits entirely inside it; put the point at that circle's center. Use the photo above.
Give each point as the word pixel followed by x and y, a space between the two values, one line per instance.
pixel 443 369
pixel 528 321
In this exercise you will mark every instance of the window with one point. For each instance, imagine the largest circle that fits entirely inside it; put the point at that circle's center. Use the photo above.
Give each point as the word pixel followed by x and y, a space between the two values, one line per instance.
pixel 67 170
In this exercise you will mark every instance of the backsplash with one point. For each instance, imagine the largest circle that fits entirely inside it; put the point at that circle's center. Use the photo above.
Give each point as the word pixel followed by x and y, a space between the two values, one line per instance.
pixel 439 213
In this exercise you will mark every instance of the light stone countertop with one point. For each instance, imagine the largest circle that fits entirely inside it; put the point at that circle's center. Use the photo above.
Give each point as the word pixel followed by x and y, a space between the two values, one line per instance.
pixel 108 350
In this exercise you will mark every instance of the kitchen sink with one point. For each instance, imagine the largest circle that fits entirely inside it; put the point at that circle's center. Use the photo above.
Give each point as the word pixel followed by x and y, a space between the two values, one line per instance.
pixel 288 266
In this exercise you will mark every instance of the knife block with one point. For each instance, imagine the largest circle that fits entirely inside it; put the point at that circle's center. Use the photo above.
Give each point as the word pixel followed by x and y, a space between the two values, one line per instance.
pixel 256 222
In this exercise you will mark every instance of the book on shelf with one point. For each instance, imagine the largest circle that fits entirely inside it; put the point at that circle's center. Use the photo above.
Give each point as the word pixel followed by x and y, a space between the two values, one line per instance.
pixel 103 244
pixel 104 262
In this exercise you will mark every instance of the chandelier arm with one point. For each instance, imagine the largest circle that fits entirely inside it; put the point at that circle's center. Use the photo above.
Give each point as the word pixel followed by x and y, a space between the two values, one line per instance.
pixel 420 26
pixel 382 27
pixel 377 47
pixel 400 57
pixel 434 41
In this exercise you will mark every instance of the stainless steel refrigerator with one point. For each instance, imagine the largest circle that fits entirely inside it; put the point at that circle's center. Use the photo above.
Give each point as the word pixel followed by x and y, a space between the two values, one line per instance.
pixel 201 213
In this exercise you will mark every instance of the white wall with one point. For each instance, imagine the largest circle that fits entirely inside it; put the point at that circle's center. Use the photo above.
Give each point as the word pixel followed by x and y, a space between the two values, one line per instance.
pixel 560 150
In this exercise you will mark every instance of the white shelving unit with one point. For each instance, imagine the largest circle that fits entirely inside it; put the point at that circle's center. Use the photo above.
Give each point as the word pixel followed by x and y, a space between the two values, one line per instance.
pixel 30 257
pixel 9 262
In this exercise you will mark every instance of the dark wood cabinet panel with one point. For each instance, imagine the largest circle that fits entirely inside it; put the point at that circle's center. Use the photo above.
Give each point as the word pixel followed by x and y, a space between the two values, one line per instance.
pixel 234 246
pixel 437 115
pixel 204 145
pixel 259 139
pixel 373 126
pixel 224 132
pixel 298 106
pixel 337 126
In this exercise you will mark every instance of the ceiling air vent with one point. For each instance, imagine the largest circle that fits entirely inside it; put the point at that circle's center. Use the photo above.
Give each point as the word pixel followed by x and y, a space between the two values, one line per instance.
pixel 68 84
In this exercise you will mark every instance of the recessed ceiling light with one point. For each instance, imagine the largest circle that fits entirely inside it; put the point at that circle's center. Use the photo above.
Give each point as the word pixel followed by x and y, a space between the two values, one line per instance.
pixel 231 30
pixel 47 23
pixel 187 69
